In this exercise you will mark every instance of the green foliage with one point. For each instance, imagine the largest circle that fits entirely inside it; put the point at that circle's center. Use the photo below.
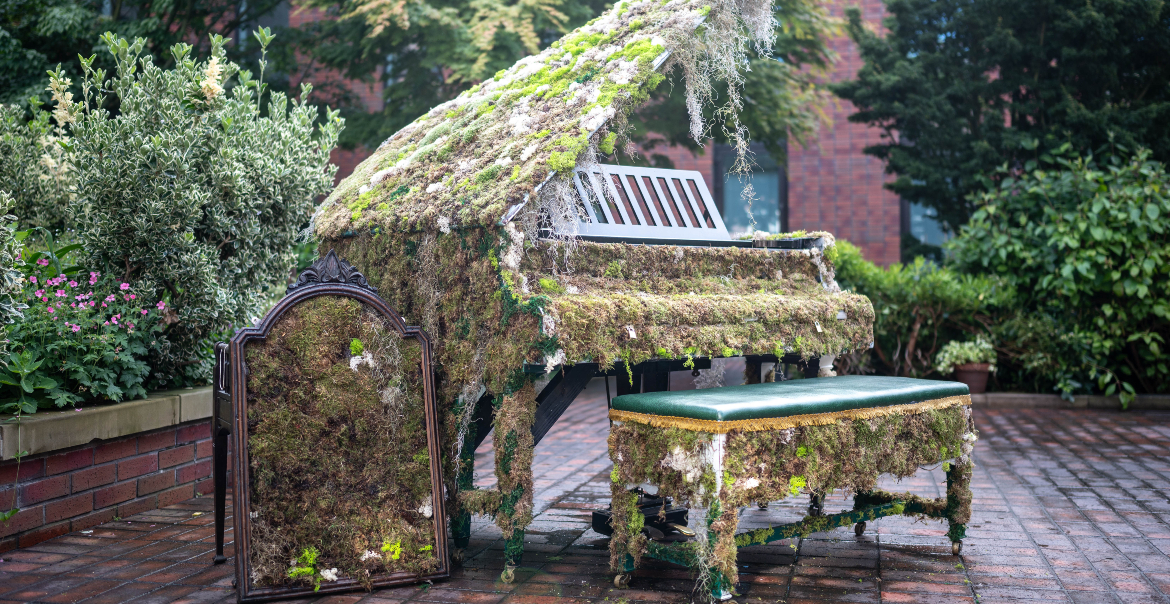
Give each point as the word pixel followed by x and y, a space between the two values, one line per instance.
pixel 189 192
pixel 356 347
pixel 1087 244
pixel 960 353
pixel 33 168
pixel 305 566
pixel 436 50
pixel 918 307
pixel 550 286
pixel 961 87
pixel 10 306
pixel 36 35
pixel 80 339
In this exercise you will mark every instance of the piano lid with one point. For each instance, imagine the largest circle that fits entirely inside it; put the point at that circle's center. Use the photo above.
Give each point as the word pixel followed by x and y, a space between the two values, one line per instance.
pixel 476 160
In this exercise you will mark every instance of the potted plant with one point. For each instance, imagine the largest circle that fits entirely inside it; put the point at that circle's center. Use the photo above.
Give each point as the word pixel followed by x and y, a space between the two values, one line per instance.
pixel 971 362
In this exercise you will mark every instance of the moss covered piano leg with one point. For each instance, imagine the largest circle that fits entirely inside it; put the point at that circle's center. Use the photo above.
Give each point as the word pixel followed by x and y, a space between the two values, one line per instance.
pixel 461 518
pixel 514 445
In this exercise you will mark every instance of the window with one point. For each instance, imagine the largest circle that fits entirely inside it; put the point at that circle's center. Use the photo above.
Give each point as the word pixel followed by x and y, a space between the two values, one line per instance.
pixel 769 184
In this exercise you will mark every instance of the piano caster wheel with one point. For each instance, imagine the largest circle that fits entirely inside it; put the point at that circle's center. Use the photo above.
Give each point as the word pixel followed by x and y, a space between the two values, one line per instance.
pixel 956 548
pixel 859 528
pixel 235 583
pixel 815 510
pixel 622 581
pixel 457 556
pixel 508 575
pixel 763 505
pixel 219 559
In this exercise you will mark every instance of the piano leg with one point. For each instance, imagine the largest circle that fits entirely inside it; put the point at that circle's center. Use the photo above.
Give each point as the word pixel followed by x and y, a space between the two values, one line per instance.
pixel 461 521
pixel 219 468
pixel 751 371
pixel 626 384
pixel 513 555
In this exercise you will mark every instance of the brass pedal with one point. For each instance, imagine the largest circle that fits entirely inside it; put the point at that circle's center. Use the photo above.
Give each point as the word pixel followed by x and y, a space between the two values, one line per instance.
pixel 682 529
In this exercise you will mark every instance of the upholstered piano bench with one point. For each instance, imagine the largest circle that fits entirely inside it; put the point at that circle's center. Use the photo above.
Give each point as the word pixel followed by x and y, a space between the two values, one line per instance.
pixel 726 448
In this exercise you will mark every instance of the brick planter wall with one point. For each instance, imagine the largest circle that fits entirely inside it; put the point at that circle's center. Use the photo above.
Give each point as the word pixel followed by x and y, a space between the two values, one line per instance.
pixel 64 491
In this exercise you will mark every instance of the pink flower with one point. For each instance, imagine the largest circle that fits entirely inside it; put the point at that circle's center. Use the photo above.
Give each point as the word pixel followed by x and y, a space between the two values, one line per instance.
pixel 107 322
pixel 60 293
pixel 43 262
pixel 161 305
pixel 39 293
pixel 72 283
pixel 93 277
pixel 91 303
pixel 110 298
pixel 73 304
pixel 103 304
pixel 45 299
pixel 125 286
pixel 76 328
pixel 125 296
pixel 32 279
pixel 144 311
pixel 51 309
pixel 114 320
pixel 131 296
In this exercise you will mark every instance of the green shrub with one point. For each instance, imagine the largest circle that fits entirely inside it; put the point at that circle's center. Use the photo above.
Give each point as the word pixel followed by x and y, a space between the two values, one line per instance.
pixel 955 352
pixel 1086 245
pixel 10 277
pixel 191 191
pixel 33 169
pixel 918 307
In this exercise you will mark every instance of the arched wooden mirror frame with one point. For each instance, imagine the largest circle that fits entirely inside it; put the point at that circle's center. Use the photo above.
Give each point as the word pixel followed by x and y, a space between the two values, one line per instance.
pixel 329 276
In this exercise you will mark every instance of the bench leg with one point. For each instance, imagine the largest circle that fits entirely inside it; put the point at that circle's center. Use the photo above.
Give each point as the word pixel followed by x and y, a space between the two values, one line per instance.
pixel 721 524
pixel 958 510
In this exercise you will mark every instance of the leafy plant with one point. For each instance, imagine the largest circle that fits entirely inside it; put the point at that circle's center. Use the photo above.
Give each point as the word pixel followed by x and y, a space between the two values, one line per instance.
pixel 193 191
pixel 1088 245
pixel 955 352
pixel 918 307
pixel 10 307
pixel 305 566
pixel 21 371
pixel 33 169
pixel 77 341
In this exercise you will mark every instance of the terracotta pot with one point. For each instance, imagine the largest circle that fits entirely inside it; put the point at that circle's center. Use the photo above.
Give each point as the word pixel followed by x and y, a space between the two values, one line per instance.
pixel 974 375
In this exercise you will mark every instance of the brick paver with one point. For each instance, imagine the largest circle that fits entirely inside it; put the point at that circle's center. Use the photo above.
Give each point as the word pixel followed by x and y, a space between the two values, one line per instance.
pixel 1070 506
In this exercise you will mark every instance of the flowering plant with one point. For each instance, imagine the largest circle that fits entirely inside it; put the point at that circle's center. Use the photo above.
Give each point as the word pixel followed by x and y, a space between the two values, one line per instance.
pixel 962 353
pixel 84 337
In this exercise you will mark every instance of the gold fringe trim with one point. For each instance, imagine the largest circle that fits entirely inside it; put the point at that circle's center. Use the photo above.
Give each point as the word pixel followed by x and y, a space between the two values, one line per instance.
pixel 783 423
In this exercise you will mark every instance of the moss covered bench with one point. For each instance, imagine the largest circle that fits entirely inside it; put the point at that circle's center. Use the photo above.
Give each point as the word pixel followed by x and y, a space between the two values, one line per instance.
pixel 725 448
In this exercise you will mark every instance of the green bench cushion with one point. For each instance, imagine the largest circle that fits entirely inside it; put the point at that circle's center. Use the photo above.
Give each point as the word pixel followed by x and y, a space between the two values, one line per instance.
pixel 836 396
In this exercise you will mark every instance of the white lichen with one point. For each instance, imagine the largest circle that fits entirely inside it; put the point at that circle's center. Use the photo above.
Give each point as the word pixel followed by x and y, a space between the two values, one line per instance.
pixel 691 466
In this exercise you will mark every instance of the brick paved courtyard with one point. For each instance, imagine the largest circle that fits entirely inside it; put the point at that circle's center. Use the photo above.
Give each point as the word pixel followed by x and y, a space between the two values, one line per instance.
pixel 1070 506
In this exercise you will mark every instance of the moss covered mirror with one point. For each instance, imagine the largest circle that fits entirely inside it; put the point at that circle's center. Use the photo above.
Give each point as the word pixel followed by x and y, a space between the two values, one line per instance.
pixel 337 476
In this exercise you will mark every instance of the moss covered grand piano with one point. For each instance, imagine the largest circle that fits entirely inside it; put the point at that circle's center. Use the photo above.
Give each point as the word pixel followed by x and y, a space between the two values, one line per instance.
pixel 487 223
